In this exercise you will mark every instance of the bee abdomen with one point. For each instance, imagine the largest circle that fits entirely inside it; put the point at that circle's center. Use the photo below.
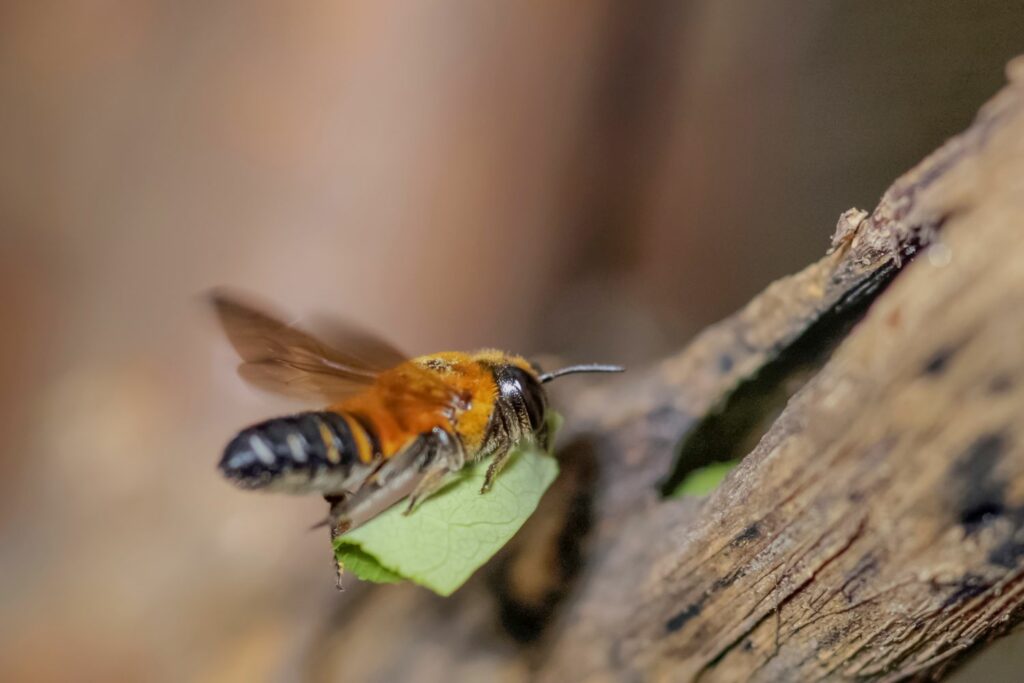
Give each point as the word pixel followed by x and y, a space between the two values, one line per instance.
pixel 303 453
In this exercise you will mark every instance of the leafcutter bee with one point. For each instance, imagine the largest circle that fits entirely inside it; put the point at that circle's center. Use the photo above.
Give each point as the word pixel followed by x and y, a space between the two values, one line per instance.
pixel 393 427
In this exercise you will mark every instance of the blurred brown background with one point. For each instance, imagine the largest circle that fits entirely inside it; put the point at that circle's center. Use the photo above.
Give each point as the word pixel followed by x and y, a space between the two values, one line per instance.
pixel 593 179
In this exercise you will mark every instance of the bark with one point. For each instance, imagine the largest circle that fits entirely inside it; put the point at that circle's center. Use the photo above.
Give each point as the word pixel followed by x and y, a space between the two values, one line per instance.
pixel 875 528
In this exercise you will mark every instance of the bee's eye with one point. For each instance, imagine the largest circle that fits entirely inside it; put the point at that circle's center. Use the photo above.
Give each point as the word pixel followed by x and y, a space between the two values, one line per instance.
pixel 520 387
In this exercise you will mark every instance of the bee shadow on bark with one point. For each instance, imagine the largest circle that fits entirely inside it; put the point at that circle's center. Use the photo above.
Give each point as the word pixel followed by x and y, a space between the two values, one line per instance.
pixel 532 576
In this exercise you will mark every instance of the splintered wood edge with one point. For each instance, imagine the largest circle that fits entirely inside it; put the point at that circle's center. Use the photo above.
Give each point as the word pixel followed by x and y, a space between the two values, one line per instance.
pixel 878 528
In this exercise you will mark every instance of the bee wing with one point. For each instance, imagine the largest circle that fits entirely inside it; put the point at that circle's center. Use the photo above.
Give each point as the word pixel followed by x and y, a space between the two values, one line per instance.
pixel 359 344
pixel 281 358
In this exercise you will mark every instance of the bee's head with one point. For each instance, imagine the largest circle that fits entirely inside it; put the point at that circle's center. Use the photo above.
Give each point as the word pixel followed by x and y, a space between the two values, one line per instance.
pixel 520 385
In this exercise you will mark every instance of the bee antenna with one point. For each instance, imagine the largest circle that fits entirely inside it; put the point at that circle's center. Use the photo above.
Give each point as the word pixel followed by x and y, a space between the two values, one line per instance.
pixel 573 369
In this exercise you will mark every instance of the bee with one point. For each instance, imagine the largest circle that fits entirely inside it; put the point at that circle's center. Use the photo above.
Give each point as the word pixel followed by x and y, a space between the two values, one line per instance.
pixel 393 427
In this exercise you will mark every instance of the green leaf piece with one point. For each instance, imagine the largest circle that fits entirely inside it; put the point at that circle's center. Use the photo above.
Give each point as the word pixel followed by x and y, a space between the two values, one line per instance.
pixel 455 531
pixel 704 480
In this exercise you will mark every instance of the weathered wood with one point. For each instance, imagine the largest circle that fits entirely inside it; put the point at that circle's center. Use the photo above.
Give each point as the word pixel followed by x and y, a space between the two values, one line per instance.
pixel 875 531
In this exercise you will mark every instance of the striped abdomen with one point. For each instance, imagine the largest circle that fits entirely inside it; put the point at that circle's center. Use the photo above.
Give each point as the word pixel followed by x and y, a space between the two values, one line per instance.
pixel 314 452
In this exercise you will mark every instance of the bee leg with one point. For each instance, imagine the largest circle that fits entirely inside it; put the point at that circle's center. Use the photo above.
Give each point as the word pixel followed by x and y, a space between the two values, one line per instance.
pixel 497 446
pixel 335 500
pixel 493 469
pixel 430 483
pixel 447 455
pixel 516 422
pixel 339 568
pixel 501 455
pixel 449 449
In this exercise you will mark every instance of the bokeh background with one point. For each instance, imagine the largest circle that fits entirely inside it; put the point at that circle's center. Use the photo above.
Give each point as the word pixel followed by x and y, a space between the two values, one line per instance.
pixel 593 179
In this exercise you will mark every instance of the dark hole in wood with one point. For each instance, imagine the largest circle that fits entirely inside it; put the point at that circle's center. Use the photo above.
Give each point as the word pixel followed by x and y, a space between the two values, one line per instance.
pixel 683 616
pixel 731 430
